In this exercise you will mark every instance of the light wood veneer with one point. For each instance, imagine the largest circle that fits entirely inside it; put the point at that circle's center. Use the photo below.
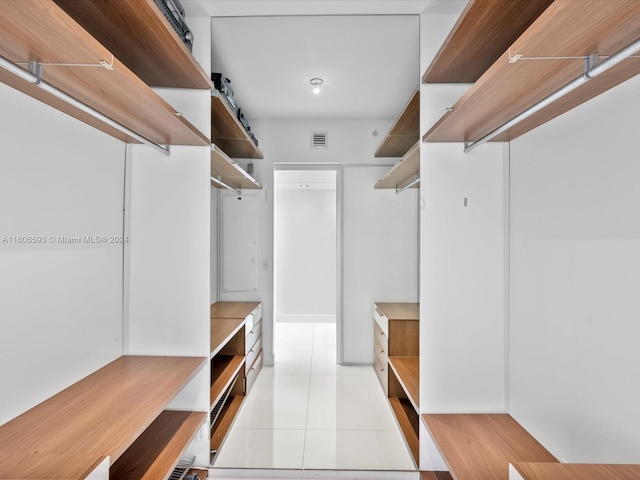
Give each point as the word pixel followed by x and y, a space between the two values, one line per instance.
pixel 405 131
pixel 566 28
pixel 225 169
pixel 40 30
pixel 407 372
pixel 31 466
pixel 400 311
pixel 228 133
pixel 484 30
pixel 237 310
pixel 577 471
pixel 481 446
pixel 403 172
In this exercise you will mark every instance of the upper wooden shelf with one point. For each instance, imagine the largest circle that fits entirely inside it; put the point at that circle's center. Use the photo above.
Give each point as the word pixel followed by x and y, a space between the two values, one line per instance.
pixel 403 172
pixel 400 311
pixel 484 31
pixel 481 446
pixel 577 471
pixel 39 30
pixel 226 170
pixel 141 37
pixel 157 451
pixel 407 371
pixel 30 466
pixel 566 28
pixel 222 330
pixel 101 415
pixel 232 309
pixel 228 133
pixel 405 131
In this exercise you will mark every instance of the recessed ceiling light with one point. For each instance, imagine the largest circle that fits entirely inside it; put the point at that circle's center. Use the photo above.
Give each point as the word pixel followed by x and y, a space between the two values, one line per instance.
pixel 316 82
pixel 304 186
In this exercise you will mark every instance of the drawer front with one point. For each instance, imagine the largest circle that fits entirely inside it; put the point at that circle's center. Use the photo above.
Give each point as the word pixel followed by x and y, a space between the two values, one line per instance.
pixel 382 374
pixel 381 319
pixel 252 354
pixel 250 379
pixel 380 337
pixel 257 313
pixel 251 336
pixel 380 352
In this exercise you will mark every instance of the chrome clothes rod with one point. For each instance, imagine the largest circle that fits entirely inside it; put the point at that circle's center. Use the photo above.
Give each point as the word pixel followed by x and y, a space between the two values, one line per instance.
pixel 408 185
pixel 222 184
pixel 36 79
pixel 592 70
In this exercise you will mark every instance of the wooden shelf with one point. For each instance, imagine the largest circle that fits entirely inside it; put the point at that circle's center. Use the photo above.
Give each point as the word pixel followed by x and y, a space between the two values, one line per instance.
pixel 223 424
pixel 224 368
pixel 577 471
pixel 484 30
pixel 39 30
pixel 408 420
pixel 566 28
pixel 30 466
pixel 405 131
pixel 435 476
pixel 232 309
pixel 228 133
pixel 142 38
pixel 400 311
pixel 157 451
pixel 403 172
pixel 222 330
pixel 104 413
pixel 481 446
pixel 407 371
pixel 229 172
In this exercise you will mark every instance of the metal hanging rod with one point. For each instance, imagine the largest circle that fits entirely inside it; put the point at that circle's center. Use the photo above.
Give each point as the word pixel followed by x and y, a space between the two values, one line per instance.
pixel 408 185
pixel 35 77
pixel 592 70
pixel 518 57
pixel 222 184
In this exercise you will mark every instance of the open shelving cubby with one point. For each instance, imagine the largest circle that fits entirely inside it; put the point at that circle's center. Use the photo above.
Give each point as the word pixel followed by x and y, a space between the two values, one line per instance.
pixel 230 172
pixel 228 133
pixel 404 172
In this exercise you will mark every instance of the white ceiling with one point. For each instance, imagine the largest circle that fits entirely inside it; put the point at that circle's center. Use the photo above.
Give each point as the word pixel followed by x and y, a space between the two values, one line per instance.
pixel 366 51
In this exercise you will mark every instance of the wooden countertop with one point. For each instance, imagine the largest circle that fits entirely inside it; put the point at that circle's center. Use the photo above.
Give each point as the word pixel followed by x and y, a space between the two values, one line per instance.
pixel 232 309
pixel 481 446
pixel 400 311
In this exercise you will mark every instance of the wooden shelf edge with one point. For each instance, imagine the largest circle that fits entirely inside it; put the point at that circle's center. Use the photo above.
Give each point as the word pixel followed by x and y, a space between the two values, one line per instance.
pixel 157 451
pixel 403 172
pixel 230 172
pixel 30 466
pixel 224 423
pixel 409 385
pixel 582 471
pixel 407 427
pixel 235 363
pixel 229 327
pixel 404 132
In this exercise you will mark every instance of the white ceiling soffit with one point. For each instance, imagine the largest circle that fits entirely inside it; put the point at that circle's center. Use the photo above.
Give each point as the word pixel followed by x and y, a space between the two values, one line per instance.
pixel 238 8
pixel 369 64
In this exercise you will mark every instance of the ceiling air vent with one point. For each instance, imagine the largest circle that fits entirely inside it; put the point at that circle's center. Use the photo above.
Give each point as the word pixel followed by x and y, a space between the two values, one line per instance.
pixel 318 139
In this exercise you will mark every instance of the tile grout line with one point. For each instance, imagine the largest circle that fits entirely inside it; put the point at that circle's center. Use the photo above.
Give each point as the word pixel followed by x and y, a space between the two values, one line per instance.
pixel 306 420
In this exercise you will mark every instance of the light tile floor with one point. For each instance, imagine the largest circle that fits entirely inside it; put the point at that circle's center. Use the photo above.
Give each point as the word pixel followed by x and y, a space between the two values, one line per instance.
pixel 307 412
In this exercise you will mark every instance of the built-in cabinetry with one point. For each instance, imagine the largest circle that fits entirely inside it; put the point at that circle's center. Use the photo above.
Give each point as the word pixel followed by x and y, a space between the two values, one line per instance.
pixel 402 140
pixel 236 359
pixel 113 419
pixel 396 362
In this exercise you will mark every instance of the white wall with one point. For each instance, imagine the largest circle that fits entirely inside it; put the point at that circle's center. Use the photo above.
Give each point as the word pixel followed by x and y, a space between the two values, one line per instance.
pixel 305 254
pixel 60 303
pixel 462 271
pixel 575 258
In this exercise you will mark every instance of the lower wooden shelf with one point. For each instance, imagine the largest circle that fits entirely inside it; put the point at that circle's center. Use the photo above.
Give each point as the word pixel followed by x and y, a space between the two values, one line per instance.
pixel 224 369
pixel 408 419
pixel 407 372
pixel 222 426
pixel 156 452
pixel 576 471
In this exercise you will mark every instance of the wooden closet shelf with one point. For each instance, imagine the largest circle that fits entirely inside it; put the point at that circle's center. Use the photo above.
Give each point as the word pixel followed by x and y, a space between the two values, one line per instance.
pixel 407 371
pixel 566 28
pixel 30 466
pixel 104 413
pixel 232 309
pixel 142 38
pixel 400 311
pixel 223 424
pixel 408 422
pixel 157 451
pixel 405 131
pixel 228 133
pixel 403 172
pixel 484 31
pixel 577 471
pixel 224 368
pixel 222 330
pixel 226 170
pixel 481 446
pixel 39 30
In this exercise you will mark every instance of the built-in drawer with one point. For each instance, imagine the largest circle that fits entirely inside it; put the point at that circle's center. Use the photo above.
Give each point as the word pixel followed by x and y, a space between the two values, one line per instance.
pixel 381 319
pixel 252 335
pixel 252 354
pixel 380 337
pixel 380 352
pixel 257 313
pixel 250 379
pixel 381 370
